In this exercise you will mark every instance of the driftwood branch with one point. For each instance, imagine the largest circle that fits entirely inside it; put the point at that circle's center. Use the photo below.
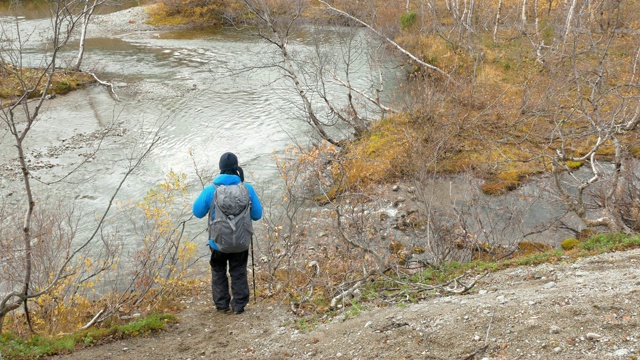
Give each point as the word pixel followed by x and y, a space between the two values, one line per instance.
pixel 108 85
pixel 94 320
pixel 349 292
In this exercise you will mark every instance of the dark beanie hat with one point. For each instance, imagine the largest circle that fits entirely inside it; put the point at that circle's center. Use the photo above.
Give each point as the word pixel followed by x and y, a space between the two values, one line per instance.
pixel 228 161
pixel 229 165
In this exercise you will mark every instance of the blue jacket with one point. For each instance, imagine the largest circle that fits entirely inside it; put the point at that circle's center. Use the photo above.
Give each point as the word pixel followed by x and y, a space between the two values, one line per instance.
pixel 203 203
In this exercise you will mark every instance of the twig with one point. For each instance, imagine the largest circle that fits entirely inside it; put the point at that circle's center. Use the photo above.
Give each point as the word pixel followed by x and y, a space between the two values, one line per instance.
pixel 486 337
pixel 95 319
pixel 351 290
pixel 476 352
pixel 465 288
pixel 108 85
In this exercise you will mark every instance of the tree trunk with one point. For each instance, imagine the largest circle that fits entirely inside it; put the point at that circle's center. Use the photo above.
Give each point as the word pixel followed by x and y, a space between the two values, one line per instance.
pixel 495 28
pixel 569 19
pixel 523 16
pixel 86 16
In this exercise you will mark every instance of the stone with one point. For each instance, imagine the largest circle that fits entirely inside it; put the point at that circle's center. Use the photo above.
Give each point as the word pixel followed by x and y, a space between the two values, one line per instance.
pixel 593 336
pixel 399 201
pixel 621 353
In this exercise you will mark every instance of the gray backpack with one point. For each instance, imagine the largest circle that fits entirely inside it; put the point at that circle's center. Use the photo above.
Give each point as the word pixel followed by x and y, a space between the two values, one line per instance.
pixel 231 227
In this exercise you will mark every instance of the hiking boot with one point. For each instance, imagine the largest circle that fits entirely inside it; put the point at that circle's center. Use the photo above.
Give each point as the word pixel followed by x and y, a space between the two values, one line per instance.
pixel 225 310
pixel 238 311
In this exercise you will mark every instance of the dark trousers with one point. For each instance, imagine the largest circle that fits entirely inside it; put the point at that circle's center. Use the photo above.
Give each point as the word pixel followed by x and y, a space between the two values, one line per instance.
pixel 237 266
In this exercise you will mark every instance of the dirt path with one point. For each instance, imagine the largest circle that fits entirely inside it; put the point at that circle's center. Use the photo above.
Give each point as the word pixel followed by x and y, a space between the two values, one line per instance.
pixel 585 310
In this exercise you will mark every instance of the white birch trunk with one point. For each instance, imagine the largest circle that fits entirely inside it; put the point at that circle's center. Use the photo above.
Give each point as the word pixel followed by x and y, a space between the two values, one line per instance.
pixel 523 15
pixel 495 28
pixel 569 19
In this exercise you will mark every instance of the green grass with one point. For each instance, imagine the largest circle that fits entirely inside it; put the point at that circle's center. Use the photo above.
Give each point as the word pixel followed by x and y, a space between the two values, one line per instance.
pixel 597 244
pixel 610 242
pixel 36 347
pixel 354 310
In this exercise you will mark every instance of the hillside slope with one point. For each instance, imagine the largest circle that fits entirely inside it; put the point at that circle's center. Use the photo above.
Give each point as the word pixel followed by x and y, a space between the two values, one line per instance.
pixel 582 310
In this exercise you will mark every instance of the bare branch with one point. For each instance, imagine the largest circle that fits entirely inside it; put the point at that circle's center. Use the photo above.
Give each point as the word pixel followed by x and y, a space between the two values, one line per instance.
pixel 396 45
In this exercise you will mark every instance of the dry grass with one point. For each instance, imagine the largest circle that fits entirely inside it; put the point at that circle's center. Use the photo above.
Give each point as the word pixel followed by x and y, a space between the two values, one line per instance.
pixel 16 82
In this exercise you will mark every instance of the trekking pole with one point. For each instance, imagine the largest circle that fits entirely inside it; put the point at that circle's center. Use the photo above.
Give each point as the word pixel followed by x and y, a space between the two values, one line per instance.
pixel 253 272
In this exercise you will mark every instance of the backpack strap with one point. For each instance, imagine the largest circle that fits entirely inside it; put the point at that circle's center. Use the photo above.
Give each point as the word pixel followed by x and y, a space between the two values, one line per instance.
pixel 212 207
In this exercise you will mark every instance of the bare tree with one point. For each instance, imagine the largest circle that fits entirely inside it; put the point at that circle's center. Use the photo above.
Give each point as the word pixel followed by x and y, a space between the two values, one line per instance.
pixel 592 137
pixel 323 81
pixel 85 17
pixel 34 275
pixel 19 117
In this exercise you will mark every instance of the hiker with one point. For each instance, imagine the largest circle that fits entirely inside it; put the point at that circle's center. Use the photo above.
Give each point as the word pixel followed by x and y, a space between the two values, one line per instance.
pixel 235 259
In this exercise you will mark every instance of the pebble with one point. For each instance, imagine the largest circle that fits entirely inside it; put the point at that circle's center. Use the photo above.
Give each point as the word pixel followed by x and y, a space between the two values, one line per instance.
pixel 399 201
pixel 621 353
pixel 557 349
pixel 555 329
pixel 550 285
pixel 593 336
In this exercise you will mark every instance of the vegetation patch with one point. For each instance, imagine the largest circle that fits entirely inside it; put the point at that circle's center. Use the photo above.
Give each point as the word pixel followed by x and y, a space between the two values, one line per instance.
pixel 198 13
pixel 14 82
pixel 13 347
pixel 569 244
pixel 384 154
pixel 610 242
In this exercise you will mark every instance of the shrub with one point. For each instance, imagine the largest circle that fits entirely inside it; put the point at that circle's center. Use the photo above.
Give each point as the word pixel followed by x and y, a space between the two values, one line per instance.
pixel 569 244
pixel 610 242
pixel 383 155
pixel 191 12
pixel 408 19
pixel 574 165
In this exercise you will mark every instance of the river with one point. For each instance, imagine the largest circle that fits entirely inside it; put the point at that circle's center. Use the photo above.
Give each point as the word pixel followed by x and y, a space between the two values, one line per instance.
pixel 204 93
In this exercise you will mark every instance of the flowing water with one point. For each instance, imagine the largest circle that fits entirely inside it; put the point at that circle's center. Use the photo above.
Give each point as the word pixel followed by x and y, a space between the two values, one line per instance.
pixel 203 93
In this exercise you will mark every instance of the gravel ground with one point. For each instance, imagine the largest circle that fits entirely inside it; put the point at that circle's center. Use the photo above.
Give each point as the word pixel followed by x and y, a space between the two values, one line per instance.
pixel 582 310
pixel 121 22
